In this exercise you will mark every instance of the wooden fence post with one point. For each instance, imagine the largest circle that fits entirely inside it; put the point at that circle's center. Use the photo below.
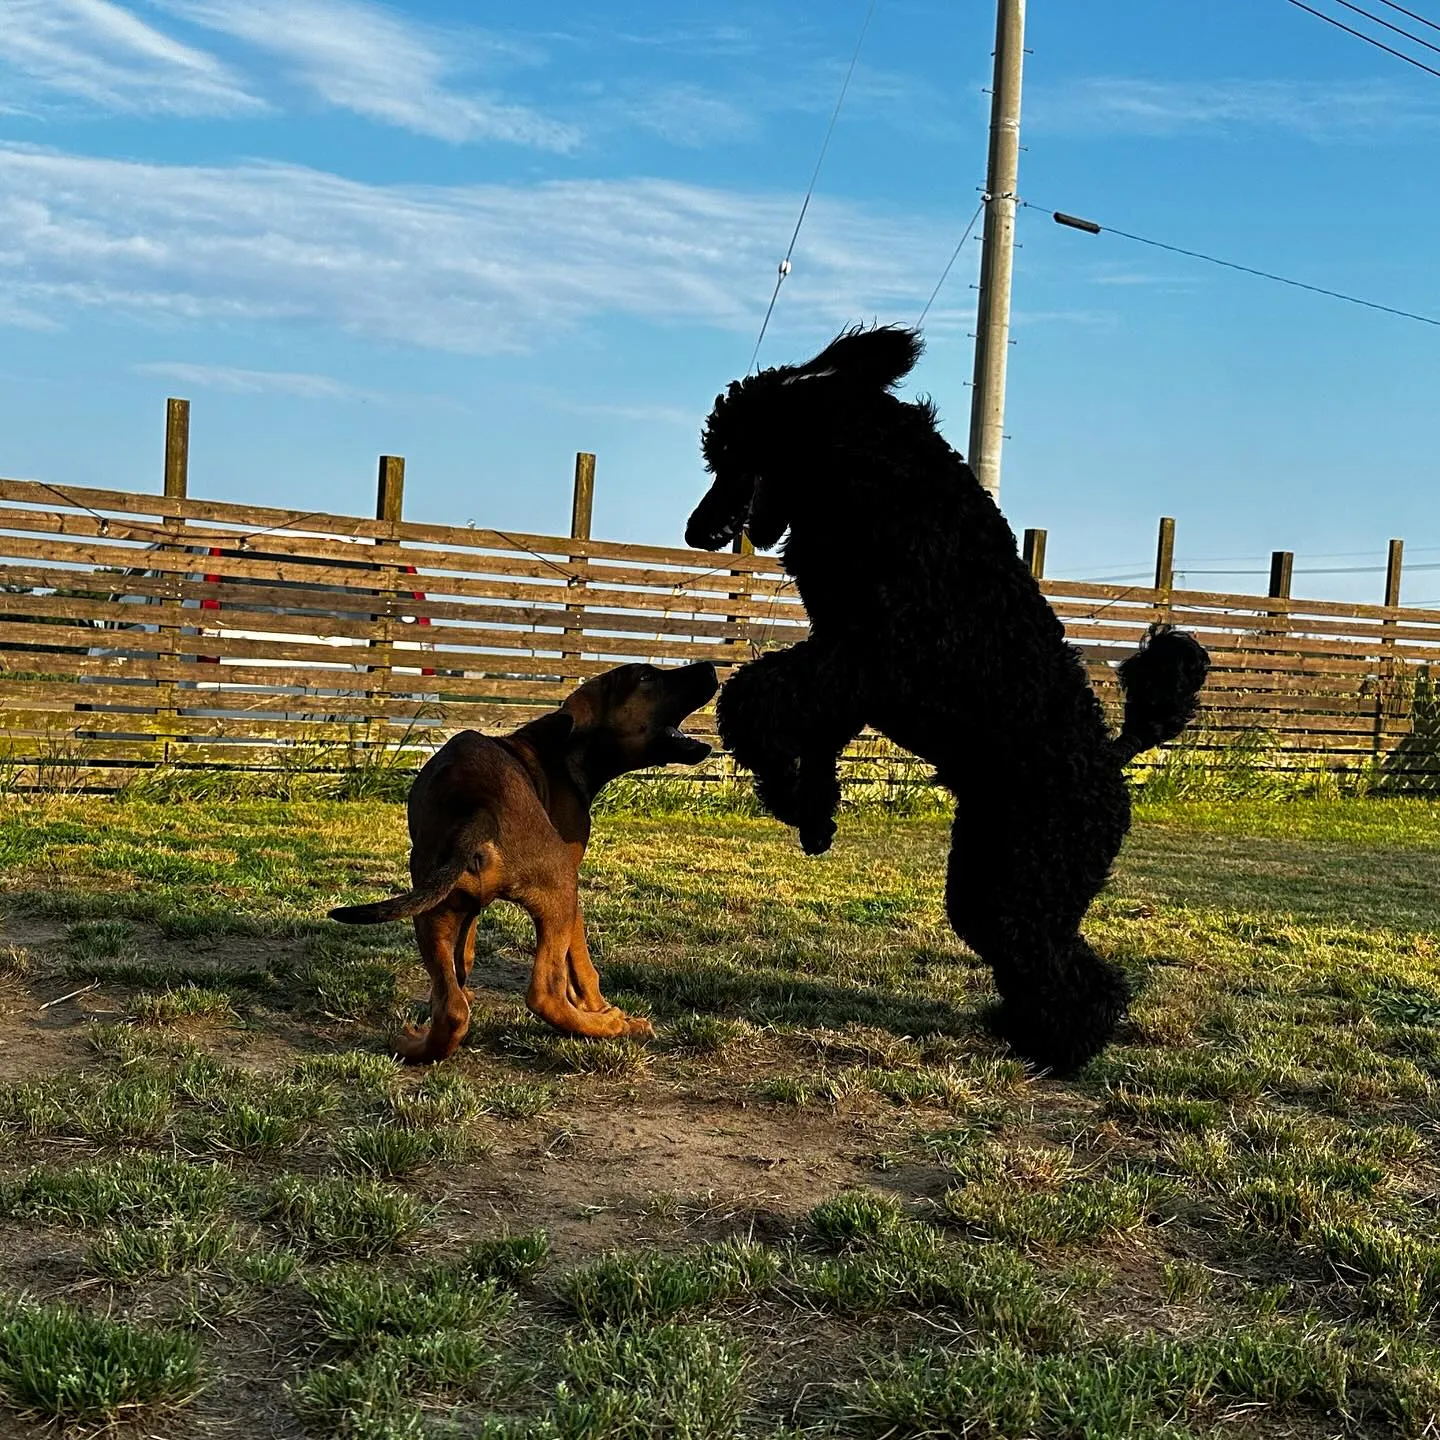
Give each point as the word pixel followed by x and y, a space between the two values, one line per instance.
pixel 742 545
pixel 582 503
pixel 1282 569
pixel 176 486
pixel 1033 552
pixel 177 448
pixel 745 643
pixel 1165 556
pixel 1282 572
pixel 1164 568
pixel 390 488
pixel 389 506
pixel 582 508
pixel 1389 692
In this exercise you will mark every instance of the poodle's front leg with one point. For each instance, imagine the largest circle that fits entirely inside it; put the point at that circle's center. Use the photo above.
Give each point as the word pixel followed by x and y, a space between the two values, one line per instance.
pixel 786 717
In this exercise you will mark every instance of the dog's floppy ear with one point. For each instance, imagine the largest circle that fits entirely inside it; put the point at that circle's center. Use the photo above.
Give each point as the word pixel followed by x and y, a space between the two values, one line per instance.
pixel 880 357
pixel 547 734
pixel 768 515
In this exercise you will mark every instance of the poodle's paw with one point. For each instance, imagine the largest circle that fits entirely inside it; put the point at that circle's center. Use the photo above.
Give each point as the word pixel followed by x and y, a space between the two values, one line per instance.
pixel 816 836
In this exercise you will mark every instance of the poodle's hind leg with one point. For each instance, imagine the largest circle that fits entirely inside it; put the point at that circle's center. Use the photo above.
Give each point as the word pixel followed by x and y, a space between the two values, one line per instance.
pixel 786 717
pixel 1060 1002
pixel 1016 897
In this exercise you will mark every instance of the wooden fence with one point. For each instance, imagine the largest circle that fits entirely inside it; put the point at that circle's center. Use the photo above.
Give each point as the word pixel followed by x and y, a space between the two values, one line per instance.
pixel 147 630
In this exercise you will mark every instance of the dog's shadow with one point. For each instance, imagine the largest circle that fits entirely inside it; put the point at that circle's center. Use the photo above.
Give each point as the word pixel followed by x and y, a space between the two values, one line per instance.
pixel 670 991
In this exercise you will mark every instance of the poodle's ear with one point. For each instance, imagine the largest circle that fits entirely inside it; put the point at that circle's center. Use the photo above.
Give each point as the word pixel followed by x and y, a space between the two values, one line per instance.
pixel 880 357
pixel 768 515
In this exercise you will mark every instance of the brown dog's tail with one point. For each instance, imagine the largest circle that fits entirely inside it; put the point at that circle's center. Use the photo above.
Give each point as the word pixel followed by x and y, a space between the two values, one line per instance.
pixel 1161 682
pixel 465 848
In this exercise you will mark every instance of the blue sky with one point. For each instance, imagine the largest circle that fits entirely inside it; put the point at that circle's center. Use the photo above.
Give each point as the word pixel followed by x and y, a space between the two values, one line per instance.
pixel 485 236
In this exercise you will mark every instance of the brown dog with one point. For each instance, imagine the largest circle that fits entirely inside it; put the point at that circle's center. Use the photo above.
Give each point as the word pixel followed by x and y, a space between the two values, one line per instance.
pixel 508 819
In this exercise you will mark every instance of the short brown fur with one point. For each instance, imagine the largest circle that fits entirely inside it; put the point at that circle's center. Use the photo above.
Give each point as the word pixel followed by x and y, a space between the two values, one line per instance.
pixel 509 819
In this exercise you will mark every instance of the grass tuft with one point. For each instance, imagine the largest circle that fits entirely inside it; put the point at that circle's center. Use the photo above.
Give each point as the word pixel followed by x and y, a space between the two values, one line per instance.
pixel 855 1217
pixel 914 1268
pixel 83 1369
pixel 673 1380
pixel 355 1306
pixel 1127 1388
pixel 1084 1210
pixel 519 1099
pixel 88 1107
pixel 389 1150
pixel 510 1259
pixel 15 963
pixel 644 1288
pixel 137 1252
pixel 359 1218
pixel 135 1189
pixel 188 1002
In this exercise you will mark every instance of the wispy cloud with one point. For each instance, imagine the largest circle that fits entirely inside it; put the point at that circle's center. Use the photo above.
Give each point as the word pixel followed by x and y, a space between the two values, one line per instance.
pixel 252 382
pixel 708 41
pixel 479 269
pixel 1317 110
pixel 683 114
pixel 372 62
pixel 99 52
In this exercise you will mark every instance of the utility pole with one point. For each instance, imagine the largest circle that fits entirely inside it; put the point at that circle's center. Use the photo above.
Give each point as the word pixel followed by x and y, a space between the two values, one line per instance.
pixel 992 324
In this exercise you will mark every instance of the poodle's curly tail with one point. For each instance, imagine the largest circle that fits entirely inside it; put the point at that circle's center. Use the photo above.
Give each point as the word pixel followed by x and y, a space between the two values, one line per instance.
pixel 1161 682
pixel 465 849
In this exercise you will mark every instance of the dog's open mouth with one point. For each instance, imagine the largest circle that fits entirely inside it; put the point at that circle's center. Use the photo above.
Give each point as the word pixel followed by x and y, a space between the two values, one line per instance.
pixel 693 686
pixel 685 749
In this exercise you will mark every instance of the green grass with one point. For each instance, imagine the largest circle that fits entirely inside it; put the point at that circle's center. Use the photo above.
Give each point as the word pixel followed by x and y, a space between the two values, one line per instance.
pixel 509 1259
pixel 389 1150
pixel 519 1099
pixel 823 1202
pixel 135 1107
pixel 190 1002
pixel 1127 1389
pixel 354 1305
pixel 77 1368
pixel 1086 1209
pixel 855 1217
pixel 626 1289
pixel 680 1380
pixel 361 1218
pixel 249 1129
pixel 912 1267
pixel 135 1252
pixel 135 1189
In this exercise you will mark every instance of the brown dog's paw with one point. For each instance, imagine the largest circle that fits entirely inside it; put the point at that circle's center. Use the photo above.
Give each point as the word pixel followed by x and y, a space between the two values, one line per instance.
pixel 639 1027
pixel 412 1044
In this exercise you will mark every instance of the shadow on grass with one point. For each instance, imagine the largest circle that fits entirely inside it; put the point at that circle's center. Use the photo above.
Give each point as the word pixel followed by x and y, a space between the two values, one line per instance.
pixel 770 997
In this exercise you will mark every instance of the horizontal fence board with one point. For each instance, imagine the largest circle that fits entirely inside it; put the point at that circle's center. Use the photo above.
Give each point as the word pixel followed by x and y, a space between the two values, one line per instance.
pixel 255 518
pixel 400 627
pixel 197 668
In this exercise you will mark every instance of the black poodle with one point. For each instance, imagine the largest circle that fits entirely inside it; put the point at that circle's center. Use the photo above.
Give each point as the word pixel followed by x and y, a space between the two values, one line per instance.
pixel 927 625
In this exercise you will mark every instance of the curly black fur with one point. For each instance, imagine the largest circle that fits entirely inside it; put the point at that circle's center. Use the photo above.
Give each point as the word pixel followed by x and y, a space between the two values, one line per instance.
pixel 926 625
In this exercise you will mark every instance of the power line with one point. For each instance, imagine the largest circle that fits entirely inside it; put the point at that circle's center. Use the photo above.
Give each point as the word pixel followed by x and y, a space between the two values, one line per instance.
pixel 1389 4
pixel 946 271
pixel 1090 227
pixel 1368 39
pixel 824 146
pixel 1418 40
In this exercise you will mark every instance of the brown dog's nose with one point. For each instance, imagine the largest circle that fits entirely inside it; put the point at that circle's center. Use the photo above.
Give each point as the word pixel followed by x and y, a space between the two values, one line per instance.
pixel 704 677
